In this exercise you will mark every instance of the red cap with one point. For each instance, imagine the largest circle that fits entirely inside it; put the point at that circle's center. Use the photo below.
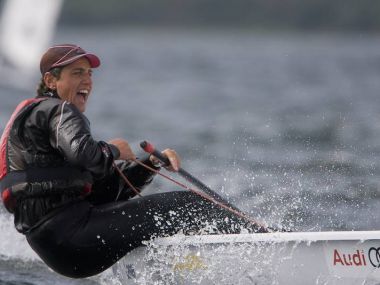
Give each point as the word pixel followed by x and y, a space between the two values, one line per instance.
pixel 61 55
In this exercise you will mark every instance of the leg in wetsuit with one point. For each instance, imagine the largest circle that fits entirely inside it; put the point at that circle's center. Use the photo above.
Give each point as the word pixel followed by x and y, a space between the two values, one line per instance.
pixel 84 240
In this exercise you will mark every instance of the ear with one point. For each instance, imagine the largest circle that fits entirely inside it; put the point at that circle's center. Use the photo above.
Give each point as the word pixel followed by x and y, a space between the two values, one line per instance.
pixel 50 81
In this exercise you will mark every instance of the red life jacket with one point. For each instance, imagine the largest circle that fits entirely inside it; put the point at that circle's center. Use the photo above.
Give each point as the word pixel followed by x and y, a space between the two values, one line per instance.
pixel 24 106
pixel 9 178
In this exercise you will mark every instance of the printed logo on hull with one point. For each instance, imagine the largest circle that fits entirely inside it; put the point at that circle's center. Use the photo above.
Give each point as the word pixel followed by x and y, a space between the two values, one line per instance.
pixel 374 256
pixel 356 258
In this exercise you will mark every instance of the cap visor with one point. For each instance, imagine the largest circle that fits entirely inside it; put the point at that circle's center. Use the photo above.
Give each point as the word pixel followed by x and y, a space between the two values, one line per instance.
pixel 93 59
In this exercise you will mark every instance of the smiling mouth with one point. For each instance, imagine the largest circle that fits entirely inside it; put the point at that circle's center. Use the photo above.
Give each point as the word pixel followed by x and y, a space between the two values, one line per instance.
pixel 83 94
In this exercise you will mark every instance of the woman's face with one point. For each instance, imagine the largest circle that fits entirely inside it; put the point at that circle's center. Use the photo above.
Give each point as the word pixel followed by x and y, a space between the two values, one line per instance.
pixel 75 83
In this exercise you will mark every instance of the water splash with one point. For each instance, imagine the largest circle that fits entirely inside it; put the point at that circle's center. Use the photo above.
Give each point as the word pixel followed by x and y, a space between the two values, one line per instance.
pixel 13 244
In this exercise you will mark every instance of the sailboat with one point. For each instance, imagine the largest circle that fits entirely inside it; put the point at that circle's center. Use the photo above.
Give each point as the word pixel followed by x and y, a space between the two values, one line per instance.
pixel 26 29
pixel 297 258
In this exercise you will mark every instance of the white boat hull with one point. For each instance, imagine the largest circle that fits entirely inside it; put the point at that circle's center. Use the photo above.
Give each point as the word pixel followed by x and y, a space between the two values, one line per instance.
pixel 275 258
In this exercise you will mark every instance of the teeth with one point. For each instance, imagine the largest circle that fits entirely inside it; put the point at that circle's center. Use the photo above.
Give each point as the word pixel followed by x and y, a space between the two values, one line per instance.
pixel 83 91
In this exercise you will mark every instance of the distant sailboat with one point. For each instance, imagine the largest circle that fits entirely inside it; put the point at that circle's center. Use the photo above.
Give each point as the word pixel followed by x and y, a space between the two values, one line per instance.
pixel 26 29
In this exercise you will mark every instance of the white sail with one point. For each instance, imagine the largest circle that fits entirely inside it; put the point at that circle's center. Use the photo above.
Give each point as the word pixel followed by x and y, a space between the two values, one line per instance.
pixel 26 28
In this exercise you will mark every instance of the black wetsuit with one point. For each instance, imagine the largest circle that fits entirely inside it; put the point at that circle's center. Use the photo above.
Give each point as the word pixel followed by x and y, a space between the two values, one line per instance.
pixel 83 240
pixel 77 233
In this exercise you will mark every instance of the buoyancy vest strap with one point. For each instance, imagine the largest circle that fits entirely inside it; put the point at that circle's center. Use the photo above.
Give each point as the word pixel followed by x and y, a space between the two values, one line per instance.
pixel 44 174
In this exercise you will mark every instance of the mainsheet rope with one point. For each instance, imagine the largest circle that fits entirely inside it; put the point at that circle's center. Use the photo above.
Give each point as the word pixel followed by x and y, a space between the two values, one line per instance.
pixel 199 193
pixel 126 181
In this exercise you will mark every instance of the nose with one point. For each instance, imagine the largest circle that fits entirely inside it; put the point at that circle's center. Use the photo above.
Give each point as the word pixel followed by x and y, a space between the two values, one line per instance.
pixel 87 79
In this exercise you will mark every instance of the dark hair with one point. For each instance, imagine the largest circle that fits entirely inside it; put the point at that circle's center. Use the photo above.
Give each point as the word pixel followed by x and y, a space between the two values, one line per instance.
pixel 42 88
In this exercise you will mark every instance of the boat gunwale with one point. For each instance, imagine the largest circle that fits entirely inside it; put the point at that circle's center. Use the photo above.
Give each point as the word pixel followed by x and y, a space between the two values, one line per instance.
pixel 277 237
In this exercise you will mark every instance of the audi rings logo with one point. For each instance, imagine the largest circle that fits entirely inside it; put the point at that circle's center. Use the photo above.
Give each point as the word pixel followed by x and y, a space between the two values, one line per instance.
pixel 374 256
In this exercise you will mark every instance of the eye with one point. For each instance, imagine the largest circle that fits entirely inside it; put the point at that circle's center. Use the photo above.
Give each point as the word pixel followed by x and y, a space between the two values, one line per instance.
pixel 77 72
pixel 81 72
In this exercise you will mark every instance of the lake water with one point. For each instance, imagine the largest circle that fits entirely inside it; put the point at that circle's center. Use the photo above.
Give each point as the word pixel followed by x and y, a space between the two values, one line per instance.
pixel 284 125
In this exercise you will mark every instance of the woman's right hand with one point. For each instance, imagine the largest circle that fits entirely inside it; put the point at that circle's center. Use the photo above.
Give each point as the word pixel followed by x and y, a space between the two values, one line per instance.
pixel 126 152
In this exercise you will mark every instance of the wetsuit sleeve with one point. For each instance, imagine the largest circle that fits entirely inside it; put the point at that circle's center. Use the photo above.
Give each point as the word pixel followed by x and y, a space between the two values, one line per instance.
pixel 114 187
pixel 138 175
pixel 70 135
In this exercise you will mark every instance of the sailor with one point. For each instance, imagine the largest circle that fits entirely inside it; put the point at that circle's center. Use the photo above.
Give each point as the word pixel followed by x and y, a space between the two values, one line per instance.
pixel 62 186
